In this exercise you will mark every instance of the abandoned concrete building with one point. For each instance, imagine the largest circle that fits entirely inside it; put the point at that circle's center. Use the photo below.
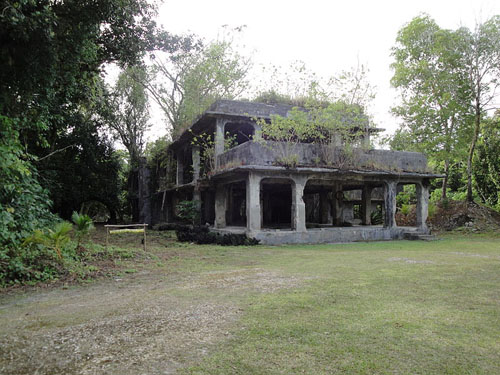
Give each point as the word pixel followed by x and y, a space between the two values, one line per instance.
pixel 244 189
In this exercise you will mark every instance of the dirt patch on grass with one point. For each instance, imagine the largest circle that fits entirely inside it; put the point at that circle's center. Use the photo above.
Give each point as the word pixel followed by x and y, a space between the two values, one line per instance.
pixel 142 323
pixel 248 279
pixel 156 340
pixel 134 326
pixel 411 261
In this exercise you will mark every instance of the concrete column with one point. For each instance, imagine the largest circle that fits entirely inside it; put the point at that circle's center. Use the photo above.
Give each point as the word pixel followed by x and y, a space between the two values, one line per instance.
pixel 197 200
pixel 254 212
pixel 366 205
pixel 208 204
pixel 337 140
pixel 220 125
pixel 257 132
pixel 366 140
pixel 324 206
pixel 337 204
pixel 195 152
pixel 422 206
pixel 220 206
pixel 390 204
pixel 298 205
pixel 180 168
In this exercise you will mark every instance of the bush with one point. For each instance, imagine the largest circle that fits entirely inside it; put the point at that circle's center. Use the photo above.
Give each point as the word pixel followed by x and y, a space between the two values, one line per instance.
pixel 202 235
pixel 189 211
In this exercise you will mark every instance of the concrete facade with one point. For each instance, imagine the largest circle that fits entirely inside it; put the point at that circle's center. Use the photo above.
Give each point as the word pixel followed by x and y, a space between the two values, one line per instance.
pixel 249 191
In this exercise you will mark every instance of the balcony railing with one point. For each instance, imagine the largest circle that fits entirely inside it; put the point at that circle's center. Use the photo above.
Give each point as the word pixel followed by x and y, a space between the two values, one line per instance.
pixel 269 153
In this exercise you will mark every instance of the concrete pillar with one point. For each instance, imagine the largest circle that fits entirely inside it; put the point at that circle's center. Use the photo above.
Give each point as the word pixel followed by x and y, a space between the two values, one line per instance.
pixel 195 152
pixel 253 205
pixel 337 204
pixel 207 205
pixel 298 205
pixel 337 140
pixel 366 140
pixel 180 168
pixel 324 206
pixel 220 125
pixel 257 132
pixel 390 204
pixel 422 206
pixel 366 205
pixel 197 200
pixel 220 206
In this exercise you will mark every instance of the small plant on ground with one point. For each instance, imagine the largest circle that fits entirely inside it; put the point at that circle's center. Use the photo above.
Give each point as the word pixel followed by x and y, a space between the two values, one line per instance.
pixel 83 226
pixel 54 239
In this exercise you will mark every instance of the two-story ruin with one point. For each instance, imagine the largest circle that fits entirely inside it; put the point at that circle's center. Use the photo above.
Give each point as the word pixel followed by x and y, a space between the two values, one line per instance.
pixel 245 189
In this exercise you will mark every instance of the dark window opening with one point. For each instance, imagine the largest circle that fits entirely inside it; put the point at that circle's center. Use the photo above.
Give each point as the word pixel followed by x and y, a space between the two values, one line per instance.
pixel 237 133
pixel 236 213
pixel 276 203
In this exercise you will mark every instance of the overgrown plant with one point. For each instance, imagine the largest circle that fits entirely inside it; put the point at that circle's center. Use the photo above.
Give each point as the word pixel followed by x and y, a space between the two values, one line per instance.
pixel 206 143
pixel 83 226
pixel 189 211
pixel 54 239
pixel 337 128
pixel 288 132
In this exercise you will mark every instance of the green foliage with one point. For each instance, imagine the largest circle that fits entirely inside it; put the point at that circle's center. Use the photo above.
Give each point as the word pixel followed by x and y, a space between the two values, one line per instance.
pixel 206 143
pixel 433 86
pixel 161 163
pixel 487 164
pixel 406 197
pixel 377 217
pixel 24 204
pixel 188 81
pixel 83 226
pixel 54 239
pixel 406 209
pixel 432 209
pixel 447 80
pixel 128 115
pixel 330 125
pixel 157 153
pixel 188 211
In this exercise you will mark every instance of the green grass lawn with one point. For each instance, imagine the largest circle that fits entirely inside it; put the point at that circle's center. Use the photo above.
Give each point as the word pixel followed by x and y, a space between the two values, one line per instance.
pixel 369 308
pixel 397 307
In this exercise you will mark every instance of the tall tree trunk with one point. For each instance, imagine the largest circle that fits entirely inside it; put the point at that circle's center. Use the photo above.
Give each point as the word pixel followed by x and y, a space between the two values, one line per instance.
pixel 477 125
pixel 444 186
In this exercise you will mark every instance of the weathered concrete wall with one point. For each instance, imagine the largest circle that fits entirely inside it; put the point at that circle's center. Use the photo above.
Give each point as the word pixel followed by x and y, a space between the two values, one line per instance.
pixel 325 235
pixel 331 235
pixel 311 155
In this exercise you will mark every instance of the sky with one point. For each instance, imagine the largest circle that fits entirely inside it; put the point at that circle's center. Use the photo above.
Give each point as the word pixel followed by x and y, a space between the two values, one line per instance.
pixel 328 36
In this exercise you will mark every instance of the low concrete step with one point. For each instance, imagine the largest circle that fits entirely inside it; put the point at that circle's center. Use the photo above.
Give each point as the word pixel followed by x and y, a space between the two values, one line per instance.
pixel 419 236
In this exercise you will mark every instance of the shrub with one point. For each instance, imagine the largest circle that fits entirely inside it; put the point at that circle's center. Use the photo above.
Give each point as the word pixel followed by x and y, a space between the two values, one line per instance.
pixel 189 211
pixel 202 235
pixel 83 225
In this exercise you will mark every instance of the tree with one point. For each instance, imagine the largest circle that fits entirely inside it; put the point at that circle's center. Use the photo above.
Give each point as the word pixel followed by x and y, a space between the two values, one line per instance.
pixel 486 161
pixel 482 64
pixel 449 81
pixel 188 81
pixel 50 114
pixel 129 112
pixel 428 71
